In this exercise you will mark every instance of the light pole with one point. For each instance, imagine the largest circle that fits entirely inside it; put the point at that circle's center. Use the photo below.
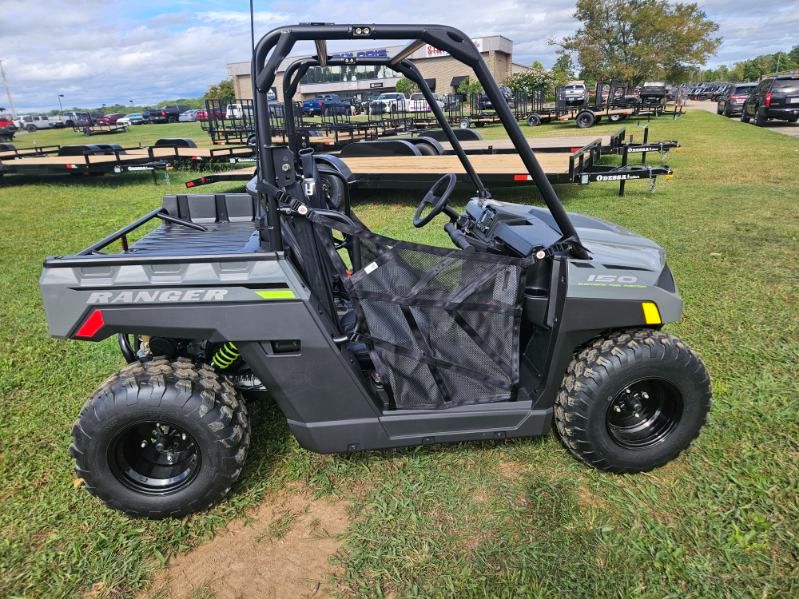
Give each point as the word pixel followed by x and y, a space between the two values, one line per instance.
pixel 8 91
pixel 60 106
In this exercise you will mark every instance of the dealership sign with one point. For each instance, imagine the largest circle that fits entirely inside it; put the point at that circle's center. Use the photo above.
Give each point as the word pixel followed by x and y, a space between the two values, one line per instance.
pixel 376 53
pixel 432 51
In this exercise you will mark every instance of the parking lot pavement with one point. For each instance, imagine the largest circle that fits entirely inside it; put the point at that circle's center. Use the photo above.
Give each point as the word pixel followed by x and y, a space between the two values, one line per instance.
pixel 791 129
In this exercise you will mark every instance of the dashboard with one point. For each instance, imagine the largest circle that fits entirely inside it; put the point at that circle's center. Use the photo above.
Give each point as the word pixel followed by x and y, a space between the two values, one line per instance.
pixel 511 228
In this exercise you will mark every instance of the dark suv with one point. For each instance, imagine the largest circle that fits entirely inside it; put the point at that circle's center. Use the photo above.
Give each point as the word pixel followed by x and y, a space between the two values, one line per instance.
pixel 165 114
pixel 732 100
pixel 775 97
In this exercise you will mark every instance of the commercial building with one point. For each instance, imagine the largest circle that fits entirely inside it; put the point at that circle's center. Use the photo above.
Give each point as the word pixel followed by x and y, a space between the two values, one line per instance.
pixel 442 72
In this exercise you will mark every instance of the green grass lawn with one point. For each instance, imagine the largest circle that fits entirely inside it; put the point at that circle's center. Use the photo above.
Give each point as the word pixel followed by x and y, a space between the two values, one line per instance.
pixel 507 519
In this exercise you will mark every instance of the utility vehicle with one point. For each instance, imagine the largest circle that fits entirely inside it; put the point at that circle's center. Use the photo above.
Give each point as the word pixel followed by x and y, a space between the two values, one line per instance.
pixel 365 342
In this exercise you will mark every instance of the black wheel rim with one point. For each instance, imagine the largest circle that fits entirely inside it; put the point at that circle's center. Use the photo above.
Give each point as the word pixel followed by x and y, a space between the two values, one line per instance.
pixel 644 413
pixel 154 457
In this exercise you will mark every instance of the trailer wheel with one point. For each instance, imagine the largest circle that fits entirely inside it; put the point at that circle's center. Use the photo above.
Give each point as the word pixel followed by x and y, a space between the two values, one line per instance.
pixel 161 439
pixel 614 118
pixel 465 123
pixel 632 401
pixel 585 119
pixel 534 120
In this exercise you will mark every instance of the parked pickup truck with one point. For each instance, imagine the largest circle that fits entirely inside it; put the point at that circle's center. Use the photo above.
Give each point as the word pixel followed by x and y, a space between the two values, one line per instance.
pixel 327 104
pixel 417 103
pixel 165 114
pixel 389 102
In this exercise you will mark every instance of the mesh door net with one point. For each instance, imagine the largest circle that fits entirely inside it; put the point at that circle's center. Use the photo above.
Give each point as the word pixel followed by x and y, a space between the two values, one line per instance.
pixel 442 325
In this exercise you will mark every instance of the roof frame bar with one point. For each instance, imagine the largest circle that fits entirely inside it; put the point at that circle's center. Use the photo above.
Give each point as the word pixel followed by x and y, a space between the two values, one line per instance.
pixel 275 46
pixel 407 51
pixel 296 70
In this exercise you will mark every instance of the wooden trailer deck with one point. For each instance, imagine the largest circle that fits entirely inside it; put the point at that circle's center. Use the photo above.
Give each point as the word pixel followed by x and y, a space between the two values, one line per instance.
pixel 484 164
pixel 538 144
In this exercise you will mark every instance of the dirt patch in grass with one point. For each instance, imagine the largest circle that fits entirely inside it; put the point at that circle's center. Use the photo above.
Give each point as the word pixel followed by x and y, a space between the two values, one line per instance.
pixel 281 550
pixel 510 470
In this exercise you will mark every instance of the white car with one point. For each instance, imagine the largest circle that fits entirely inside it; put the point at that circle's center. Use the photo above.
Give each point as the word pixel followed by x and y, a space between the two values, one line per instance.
pixel 417 103
pixel 35 122
pixel 238 111
pixel 389 102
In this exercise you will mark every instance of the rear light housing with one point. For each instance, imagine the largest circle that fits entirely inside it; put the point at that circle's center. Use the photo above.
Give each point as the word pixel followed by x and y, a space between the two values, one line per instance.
pixel 767 101
pixel 91 326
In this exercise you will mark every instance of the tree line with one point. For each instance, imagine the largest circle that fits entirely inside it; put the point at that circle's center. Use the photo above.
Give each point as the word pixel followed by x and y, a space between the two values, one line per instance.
pixel 753 68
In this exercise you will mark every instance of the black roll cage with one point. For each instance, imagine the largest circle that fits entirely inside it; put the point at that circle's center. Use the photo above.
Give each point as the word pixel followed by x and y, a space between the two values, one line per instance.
pixel 274 47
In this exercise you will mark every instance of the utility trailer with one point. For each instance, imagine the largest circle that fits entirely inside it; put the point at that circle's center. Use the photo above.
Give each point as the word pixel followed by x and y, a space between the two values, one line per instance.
pixel 91 130
pixel 9 151
pixel 94 160
pixel 404 169
pixel 99 159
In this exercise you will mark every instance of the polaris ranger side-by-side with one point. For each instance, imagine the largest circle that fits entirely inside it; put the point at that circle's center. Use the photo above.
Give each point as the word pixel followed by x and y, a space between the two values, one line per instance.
pixel 534 316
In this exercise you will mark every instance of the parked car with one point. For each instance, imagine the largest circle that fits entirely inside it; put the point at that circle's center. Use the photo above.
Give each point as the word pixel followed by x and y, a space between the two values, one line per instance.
pixel 76 119
pixel 37 122
pixel 188 116
pixel 134 118
pixel 417 103
pixel 238 111
pixel 165 114
pixel 7 129
pixel 574 93
pixel 732 100
pixel 775 97
pixel 327 104
pixel 109 119
pixel 653 92
pixel 389 102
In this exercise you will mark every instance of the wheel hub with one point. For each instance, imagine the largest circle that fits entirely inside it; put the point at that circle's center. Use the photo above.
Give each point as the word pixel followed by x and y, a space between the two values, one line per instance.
pixel 644 413
pixel 154 457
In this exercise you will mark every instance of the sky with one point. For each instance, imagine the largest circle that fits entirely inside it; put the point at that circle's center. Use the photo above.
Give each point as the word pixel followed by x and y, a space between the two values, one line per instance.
pixel 107 51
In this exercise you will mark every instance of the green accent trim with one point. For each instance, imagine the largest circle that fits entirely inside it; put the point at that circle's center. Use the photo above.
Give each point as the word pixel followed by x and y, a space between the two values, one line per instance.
pixel 271 294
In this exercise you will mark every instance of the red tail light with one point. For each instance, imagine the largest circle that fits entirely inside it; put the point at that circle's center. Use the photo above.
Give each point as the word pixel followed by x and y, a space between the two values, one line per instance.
pixel 767 101
pixel 91 325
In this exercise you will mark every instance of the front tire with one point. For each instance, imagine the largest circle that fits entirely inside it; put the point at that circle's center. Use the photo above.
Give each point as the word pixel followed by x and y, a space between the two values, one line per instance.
pixel 161 439
pixel 632 401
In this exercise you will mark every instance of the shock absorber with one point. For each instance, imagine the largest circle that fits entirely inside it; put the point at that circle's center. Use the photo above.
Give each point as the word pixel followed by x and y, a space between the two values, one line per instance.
pixel 225 356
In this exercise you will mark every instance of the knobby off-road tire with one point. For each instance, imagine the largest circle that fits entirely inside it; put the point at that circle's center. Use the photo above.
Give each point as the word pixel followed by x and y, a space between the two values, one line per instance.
pixel 600 414
pixel 161 439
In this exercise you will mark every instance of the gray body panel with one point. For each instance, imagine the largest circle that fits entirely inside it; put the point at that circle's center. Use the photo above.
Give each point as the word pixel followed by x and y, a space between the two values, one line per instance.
pixel 183 283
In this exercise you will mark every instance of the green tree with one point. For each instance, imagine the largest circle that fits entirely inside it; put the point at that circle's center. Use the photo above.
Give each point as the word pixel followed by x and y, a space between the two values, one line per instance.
pixel 537 78
pixel 406 86
pixel 634 40
pixel 468 88
pixel 222 90
pixel 563 69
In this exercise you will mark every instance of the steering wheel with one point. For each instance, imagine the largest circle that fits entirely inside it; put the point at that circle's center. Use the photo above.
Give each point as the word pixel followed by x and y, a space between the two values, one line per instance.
pixel 437 198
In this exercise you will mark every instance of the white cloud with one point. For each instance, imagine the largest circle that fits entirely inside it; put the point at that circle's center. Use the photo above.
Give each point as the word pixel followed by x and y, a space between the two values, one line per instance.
pixel 100 51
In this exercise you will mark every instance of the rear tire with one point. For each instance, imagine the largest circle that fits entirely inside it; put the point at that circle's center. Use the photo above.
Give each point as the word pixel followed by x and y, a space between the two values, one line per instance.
pixel 760 120
pixel 632 401
pixel 744 117
pixel 161 439
pixel 534 120
pixel 585 119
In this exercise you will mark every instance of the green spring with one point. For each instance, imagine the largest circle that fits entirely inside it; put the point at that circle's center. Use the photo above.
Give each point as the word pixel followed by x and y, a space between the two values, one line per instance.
pixel 225 356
